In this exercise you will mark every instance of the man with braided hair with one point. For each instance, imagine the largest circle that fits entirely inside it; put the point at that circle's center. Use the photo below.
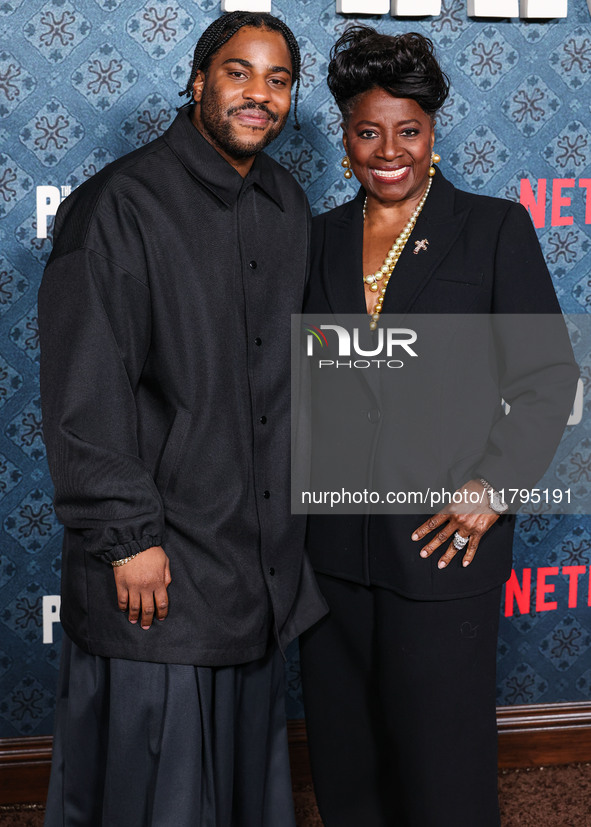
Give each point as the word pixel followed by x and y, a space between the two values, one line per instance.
pixel 164 315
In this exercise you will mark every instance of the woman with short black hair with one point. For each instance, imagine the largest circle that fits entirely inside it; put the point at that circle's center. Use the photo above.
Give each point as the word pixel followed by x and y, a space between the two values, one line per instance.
pixel 399 678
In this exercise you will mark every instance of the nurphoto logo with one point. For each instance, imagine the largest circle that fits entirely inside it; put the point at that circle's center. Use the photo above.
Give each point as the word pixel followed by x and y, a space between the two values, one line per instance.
pixel 382 346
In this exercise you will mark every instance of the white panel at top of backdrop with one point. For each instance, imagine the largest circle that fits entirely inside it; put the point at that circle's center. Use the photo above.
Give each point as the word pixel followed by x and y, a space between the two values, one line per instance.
pixel 363 6
pixel 246 5
pixel 415 8
pixel 493 8
pixel 545 8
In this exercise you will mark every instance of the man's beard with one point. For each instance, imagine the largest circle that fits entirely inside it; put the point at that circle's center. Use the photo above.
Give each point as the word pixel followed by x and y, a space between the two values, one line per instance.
pixel 217 122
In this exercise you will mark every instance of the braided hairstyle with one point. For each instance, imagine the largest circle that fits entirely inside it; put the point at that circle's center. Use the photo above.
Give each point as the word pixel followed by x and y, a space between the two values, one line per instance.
pixel 225 27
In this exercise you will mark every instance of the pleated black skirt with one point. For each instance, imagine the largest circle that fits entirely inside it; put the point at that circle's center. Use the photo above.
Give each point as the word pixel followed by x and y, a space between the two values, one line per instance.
pixel 166 745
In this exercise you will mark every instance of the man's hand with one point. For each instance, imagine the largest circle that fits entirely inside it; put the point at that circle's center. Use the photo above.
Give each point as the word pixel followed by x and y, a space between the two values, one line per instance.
pixel 141 584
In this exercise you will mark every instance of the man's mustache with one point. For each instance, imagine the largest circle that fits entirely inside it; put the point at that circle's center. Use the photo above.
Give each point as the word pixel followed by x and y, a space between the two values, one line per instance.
pixel 273 116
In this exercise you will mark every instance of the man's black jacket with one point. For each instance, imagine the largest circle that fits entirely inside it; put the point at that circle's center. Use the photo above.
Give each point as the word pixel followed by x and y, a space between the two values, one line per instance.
pixel 164 317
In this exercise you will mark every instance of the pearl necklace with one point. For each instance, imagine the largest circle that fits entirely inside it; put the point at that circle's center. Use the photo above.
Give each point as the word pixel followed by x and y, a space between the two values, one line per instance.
pixel 391 260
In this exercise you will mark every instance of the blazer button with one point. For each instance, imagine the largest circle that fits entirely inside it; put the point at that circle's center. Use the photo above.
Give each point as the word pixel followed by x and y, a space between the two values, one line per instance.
pixel 258 341
pixel 263 420
pixel 374 415
pixel 272 571
pixel 266 494
pixel 252 264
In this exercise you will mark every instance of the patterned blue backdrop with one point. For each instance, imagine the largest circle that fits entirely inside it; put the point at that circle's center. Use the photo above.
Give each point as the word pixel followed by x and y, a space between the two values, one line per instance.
pixel 85 81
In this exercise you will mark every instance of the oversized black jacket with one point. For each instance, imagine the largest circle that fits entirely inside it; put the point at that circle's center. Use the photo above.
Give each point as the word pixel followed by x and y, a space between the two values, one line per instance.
pixel 164 317
pixel 483 257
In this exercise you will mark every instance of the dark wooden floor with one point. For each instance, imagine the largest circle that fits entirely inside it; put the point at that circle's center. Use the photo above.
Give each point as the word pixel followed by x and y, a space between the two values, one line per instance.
pixel 540 797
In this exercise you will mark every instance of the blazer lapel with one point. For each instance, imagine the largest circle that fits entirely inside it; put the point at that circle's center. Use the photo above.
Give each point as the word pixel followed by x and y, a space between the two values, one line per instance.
pixel 344 275
pixel 440 227
pixel 344 272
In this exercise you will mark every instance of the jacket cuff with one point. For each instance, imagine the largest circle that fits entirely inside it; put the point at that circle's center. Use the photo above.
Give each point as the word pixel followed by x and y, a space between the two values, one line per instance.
pixel 132 547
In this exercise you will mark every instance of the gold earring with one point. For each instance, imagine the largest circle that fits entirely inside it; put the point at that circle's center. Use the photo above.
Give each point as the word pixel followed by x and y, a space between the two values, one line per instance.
pixel 435 159
pixel 347 164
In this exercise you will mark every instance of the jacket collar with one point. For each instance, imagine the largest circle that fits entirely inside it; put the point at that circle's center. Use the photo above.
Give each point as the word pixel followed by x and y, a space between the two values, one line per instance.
pixel 205 164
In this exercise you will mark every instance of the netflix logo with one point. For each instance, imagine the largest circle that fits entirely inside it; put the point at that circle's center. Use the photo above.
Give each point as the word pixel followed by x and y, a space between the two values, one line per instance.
pixel 538 586
pixel 553 197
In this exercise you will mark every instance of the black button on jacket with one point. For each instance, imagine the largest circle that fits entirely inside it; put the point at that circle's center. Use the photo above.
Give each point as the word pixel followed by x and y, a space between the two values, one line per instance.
pixel 161 350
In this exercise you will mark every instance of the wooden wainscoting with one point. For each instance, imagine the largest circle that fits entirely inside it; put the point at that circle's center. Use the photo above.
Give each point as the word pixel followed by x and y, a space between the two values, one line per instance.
pixel 24 769
pixel 539 735
pixel 529 736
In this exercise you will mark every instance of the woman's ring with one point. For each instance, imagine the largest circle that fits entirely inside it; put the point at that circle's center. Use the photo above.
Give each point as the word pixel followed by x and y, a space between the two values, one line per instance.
pixel 458 541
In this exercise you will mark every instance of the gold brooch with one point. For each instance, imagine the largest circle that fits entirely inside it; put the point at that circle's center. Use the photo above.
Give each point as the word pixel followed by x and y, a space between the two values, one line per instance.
pixel 421 245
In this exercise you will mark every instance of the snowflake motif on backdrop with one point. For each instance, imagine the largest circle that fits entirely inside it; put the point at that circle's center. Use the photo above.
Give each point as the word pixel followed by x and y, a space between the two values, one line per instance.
pixel 10 381
pixel 23 613
pixel 25 334
pixel 574 472
pixel 533 528
pixel 26 432
pixel 8 74
pixel 454 111
pixel 302 160
pixel 26 234
pixel 27 704
pixel 327 119
pixel 581 291
pixel 522 685
pixel 32 523
pixel 480 156
pixel 572 59
pixel 52 132
pixel 15 183
pixel 28 612
pixel 314 66
pixel 487 59
pixel 158 26
pixel 337 193
pixel 56 30
pixel 13 285
pixel 16 84
pixel 335 25
pixel 93 163
pixel 565 643
pixel 575 552
pixel 10 476
pixel 148 121
pixel 448 25
pixel 564 248
pixel 568 152
pixel 576 469
pixel 512 188
pixel 531 105
pixel 104 77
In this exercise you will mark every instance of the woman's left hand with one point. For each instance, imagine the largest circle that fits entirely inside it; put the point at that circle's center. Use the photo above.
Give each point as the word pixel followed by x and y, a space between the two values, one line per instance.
pixel 472 525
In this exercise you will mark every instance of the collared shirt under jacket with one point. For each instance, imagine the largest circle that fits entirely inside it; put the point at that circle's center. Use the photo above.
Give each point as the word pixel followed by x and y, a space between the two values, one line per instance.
pixel 164 315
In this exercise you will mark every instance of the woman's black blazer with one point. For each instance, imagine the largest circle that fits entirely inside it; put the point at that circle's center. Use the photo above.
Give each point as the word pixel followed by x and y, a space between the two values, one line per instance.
pixel 483 257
